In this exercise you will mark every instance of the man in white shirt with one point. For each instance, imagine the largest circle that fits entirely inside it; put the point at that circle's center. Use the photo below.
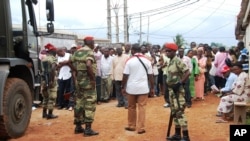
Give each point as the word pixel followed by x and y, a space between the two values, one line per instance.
pixel 98 56
pixel 106 64
pixel 64 77
pixel 137 77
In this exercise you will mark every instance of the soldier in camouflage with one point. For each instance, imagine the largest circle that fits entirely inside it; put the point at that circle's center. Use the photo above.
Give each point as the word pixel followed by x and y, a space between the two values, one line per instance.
pixel 49 83
pixel 178 73
pixel 84 66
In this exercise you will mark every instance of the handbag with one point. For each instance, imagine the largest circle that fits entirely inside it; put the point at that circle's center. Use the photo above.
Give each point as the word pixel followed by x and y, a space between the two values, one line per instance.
pixel 228 61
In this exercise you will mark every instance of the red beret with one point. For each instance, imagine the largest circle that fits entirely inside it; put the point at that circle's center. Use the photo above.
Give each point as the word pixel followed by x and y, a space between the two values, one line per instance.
pixel 88 38
pixel 171 46
pixel 225 69
pixel 49 47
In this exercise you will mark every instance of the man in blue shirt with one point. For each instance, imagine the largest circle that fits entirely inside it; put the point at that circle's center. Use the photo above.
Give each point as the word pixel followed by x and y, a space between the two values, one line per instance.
pixel 243 58
pixel 230 77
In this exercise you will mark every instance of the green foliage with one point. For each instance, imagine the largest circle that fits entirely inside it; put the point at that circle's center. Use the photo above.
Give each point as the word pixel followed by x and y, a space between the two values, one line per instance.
pixel 213 44
pixel 180 41
pixel 248 117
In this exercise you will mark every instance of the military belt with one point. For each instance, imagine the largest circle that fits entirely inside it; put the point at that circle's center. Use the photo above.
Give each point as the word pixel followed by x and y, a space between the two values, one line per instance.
pixel 83 71
pixel 84 89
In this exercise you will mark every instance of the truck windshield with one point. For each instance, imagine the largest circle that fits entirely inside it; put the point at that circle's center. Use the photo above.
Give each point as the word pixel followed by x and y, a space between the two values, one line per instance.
pixel 16 14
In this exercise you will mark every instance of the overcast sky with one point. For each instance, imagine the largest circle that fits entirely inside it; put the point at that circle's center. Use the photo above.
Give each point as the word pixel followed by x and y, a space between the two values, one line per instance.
pixel 202 21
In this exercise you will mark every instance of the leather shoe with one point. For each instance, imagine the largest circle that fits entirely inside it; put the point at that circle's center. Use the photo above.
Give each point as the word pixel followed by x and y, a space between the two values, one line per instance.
pixel 51 116
pixel 60 108
pixel 141 132
pixel 129 129
pixel 119 105
pixel 105 100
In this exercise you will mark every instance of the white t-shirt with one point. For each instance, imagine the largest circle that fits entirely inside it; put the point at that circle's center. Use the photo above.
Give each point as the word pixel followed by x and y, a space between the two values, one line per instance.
pixel 64 72
pixel 106 64
pixel 137 80
pixel 212 71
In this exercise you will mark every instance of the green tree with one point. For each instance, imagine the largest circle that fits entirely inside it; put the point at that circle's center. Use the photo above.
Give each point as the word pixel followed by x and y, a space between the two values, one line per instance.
pixel 180 41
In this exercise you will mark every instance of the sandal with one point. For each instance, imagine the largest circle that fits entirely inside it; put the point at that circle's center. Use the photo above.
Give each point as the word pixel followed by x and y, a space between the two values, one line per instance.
pixel 219 114
pixel 196 99
pixel 221 121
pixel 199 99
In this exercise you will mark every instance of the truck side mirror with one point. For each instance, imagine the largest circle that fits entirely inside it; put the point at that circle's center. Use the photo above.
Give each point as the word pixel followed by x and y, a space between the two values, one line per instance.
pixel 50 15
pixel 50 27
pixel 50 10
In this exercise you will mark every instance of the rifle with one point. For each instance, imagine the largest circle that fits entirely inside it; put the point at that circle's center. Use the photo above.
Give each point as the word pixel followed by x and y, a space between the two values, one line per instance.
pixel 46 73
pixel 172 114
pixel 170 124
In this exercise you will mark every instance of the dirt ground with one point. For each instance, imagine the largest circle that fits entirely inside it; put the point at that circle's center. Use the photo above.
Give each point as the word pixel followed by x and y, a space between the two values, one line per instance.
pixel 110 122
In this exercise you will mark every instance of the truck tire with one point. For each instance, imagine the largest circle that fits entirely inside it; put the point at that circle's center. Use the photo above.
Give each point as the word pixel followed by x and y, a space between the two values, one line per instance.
pixel 17 108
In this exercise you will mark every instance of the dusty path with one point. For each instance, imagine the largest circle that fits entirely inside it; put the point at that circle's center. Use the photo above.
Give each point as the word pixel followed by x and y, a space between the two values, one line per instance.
pixel 110 122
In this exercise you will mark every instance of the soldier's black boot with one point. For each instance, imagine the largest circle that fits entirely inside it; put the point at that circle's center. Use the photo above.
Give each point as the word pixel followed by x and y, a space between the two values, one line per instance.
pixel 88 131
pixel 51 116
pixel 176 136
pixel 78 128
pixel 185 136
pixel 45 113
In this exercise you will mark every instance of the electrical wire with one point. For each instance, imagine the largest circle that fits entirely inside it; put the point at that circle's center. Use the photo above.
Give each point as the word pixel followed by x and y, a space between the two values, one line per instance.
pixel 195 27
pixel 216 29
pixel 172 10
pixel 179 18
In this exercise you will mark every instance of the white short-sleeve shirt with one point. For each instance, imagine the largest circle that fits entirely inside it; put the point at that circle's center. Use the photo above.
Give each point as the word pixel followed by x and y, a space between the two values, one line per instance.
pixel 64 72
pixel 137 80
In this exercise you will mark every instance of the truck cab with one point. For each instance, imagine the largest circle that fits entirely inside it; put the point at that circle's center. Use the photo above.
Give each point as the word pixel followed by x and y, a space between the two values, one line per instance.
pixel 20 67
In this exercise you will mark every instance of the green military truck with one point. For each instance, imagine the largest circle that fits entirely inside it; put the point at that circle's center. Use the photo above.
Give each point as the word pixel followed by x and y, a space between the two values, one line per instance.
pixel 19 63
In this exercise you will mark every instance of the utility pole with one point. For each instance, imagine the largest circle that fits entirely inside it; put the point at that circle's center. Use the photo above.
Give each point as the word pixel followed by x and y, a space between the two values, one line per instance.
pixel 116 10
pixel 140 28
pixel 148 30
pixel 109 35
pixel 125 21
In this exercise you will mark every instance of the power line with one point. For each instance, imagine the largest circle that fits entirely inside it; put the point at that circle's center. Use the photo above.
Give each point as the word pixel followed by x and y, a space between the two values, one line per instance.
pixel 158 9
pixel 99 28
pixel 172 10
pixel 177 7
pixel 204 19
pixel 216 29
pixel 208 37
pixel 180 18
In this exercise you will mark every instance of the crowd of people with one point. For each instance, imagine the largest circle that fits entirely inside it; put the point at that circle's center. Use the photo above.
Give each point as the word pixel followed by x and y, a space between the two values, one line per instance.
pixel 92 75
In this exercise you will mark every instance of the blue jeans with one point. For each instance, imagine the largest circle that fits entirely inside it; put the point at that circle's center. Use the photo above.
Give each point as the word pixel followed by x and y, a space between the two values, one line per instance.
pixel 98 80
pixel 166 92
pixel 212 81
pixel 187 92
pixel 64 86
pixel 156 85
pixel 122 100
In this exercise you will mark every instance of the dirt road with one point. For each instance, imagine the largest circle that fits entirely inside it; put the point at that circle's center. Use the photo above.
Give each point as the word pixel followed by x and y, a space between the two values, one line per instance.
pixel 110 122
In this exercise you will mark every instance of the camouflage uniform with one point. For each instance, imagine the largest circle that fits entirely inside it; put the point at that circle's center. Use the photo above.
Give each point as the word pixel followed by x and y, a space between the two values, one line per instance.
pixel 175 71
pixel 50 94
pixel 85 92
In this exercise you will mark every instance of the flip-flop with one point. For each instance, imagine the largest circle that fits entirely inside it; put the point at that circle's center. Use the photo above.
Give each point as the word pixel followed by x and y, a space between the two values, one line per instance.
pixel 221 121
pixel 219 114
